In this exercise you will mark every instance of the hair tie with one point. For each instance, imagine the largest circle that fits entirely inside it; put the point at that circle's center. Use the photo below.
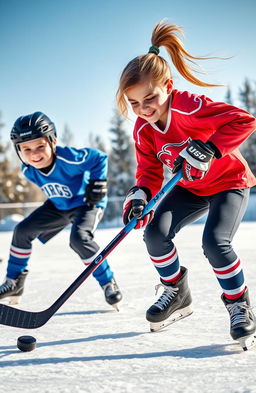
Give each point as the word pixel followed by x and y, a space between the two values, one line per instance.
pixel 154 49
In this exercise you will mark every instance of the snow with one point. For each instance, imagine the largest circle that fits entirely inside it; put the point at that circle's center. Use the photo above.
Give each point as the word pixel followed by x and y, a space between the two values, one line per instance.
pixel 8 223
pixel 89 347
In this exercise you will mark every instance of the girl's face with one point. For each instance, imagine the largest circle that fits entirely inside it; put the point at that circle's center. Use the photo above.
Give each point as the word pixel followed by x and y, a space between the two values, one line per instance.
pixel 150 100
pixel 37 153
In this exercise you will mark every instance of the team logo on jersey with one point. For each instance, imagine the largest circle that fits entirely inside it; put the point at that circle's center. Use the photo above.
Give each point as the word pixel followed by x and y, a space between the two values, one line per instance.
pixel 56 190
pixel 170 152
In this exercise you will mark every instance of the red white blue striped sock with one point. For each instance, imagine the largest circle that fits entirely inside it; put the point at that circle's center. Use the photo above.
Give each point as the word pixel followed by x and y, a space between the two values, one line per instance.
pixel 231 279
pixel 168 266
pixel 18 261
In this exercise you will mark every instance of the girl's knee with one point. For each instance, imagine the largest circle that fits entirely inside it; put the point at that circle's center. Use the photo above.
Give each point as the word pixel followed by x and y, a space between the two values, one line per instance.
pixel 156 240
pixel 214 247
pixel 151 234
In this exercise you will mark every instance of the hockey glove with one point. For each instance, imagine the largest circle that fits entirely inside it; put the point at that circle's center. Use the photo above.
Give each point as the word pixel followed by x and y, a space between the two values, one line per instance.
pixel 195 160
pixel 135 201
pixel 96 190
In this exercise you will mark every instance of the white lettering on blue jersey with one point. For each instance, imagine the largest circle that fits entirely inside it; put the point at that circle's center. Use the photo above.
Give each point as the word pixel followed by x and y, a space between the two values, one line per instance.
pixel 66 182
pixel 56 190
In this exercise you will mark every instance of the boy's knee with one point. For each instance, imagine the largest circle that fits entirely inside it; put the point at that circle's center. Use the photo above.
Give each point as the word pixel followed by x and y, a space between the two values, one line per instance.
pixel 76 241
pixel 20 227
pixel 21 232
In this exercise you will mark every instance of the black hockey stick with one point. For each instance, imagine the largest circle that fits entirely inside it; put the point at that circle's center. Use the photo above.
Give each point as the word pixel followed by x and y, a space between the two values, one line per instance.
pixel 14 317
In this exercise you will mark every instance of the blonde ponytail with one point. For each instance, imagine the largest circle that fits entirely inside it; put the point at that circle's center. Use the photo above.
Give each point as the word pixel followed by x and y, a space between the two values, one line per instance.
pixel 156 67
pixel 168 36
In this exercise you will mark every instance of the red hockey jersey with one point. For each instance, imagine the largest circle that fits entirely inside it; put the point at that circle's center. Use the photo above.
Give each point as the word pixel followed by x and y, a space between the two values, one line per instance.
pixel 195 117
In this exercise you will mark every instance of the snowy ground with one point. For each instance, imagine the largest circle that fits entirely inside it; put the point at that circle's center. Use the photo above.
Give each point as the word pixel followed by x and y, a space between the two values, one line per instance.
pixel 87 347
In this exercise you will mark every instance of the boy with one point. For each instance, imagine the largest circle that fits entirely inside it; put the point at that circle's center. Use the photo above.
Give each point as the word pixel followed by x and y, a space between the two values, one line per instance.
pixel 74 182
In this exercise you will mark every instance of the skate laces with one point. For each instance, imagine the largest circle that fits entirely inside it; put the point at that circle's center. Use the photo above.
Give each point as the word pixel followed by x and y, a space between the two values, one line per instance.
pixel 8 285
pixel 166 297
pixel 238 312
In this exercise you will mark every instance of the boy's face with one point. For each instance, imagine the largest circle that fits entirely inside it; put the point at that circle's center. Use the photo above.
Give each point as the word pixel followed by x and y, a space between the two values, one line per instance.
pixel 37 153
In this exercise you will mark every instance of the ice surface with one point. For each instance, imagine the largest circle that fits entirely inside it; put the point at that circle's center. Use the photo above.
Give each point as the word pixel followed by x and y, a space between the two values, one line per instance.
pixel 88 347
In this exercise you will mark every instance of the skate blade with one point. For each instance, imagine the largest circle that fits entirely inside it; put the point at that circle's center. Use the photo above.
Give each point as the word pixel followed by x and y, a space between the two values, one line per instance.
pixel 115 307
pixel 176 316
pixel 11 300
pixel 247 342
pixel 14 300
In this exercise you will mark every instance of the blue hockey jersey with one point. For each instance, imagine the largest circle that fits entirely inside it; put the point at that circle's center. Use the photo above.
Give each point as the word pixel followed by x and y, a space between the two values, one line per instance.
pixel 66 182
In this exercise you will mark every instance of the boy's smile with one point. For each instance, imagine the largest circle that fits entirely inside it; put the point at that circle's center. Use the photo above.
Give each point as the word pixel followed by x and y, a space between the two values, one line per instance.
pixel 37 153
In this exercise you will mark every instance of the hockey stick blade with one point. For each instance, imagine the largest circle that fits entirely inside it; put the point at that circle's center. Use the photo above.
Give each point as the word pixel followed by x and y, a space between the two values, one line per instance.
pixel 14 317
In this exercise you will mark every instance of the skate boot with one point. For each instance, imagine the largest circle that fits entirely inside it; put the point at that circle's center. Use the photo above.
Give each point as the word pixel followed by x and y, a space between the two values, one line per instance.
pixel 242 320
pixel 112 293
pixel 173 304
pixel 13 288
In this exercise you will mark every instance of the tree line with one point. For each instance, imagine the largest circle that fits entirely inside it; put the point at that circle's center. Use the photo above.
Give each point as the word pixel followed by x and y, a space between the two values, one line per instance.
pixel 15 188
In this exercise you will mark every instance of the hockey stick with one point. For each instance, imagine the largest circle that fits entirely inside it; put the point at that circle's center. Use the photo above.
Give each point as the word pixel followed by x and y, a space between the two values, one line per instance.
pixel 14 317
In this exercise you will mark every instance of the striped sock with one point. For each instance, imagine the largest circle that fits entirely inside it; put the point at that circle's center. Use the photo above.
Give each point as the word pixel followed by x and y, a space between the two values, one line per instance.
pixel 168 266
pixel 18 261
pixel 231 280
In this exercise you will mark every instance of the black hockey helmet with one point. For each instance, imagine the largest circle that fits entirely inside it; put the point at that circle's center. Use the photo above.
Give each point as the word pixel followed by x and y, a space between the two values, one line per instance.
pixel 33 126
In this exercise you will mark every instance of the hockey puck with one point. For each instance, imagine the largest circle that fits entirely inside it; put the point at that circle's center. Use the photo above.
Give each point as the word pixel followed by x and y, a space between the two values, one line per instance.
pixel 26 343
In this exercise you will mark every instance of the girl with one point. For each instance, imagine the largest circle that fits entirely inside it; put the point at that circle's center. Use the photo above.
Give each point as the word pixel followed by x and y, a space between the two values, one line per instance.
pixel 74 182
pixel 183 130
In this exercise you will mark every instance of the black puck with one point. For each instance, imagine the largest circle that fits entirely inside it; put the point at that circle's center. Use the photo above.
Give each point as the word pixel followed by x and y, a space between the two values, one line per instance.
pixel 26 343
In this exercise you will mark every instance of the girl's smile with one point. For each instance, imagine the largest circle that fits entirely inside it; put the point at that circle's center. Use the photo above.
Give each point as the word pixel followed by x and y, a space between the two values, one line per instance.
pixel 150 100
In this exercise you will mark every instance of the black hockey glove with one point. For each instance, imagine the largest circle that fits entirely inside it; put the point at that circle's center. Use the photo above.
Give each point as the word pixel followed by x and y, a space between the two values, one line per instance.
pixel 135 201
pixel 195 160
pixel 95 191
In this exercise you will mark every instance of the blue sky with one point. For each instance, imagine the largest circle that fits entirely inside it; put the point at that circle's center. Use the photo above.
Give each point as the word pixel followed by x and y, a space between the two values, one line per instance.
pixel 65 57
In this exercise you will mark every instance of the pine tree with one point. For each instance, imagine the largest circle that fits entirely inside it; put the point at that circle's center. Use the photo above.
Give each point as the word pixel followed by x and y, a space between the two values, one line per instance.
pixel 96 142
pixel 13 186
pixel 228 97
pixel 121 158
pixel 121 168
pixel 248 100
pixel 248 97
pixel 67 137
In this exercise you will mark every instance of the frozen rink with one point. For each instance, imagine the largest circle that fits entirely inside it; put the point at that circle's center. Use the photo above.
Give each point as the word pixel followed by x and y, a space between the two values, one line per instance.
pixel 88 347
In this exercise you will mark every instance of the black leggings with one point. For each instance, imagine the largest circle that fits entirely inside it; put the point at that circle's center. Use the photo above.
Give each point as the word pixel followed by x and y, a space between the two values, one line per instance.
pixel 181 207
pixel 46 222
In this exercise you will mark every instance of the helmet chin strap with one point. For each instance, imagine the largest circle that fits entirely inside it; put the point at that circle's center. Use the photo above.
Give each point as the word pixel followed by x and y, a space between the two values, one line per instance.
pixel 17 148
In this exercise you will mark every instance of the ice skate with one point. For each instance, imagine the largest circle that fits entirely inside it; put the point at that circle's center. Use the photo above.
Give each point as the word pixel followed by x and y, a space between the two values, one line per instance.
pixel 242 320
pixel 112 293
pixel 12 289
pixel 174 304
